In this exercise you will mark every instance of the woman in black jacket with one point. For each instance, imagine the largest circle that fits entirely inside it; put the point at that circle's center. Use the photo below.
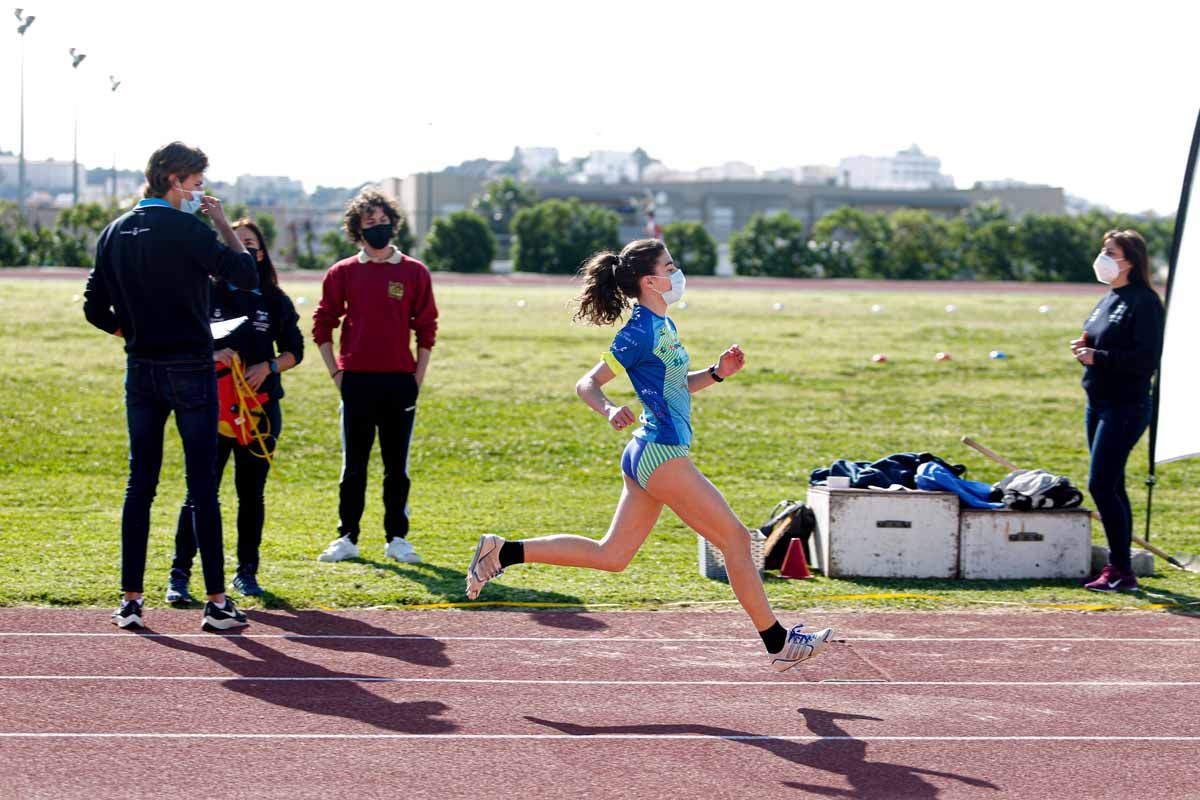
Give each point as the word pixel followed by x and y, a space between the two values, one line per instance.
pixel 1120 349
pixel 270 327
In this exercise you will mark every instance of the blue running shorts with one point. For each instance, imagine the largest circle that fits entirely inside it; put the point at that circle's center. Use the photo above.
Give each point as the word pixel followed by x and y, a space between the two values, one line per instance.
pixel 641 458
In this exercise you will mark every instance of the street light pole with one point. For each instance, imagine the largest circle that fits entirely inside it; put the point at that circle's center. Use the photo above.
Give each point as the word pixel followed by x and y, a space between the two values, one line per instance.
pixel 22 26
pixel 76 58
pixel 115 83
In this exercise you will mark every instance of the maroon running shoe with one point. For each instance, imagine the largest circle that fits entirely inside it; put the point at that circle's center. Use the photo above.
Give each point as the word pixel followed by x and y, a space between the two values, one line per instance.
pixel 1112 579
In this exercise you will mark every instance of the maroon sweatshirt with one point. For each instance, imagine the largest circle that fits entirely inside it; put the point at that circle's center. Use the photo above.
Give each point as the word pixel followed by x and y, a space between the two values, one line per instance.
pixel 383 303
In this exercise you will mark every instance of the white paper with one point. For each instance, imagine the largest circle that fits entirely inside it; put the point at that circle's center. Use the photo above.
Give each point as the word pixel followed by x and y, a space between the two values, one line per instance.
pixel 225 327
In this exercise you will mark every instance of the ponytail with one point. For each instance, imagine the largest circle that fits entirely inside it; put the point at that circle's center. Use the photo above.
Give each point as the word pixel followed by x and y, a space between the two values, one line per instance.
pixel 610 281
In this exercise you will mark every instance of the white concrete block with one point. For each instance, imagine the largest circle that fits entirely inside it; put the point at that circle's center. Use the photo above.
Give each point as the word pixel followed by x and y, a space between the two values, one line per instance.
pixel 1006 544
pixel 886 534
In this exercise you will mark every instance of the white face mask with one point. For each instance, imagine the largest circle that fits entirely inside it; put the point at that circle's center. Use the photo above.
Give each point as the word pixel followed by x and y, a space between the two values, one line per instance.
pixel 678 284
pixel 1106 269
pixel 191 203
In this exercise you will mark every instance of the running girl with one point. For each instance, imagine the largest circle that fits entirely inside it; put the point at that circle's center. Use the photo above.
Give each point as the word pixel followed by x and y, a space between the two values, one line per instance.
pixel 656 464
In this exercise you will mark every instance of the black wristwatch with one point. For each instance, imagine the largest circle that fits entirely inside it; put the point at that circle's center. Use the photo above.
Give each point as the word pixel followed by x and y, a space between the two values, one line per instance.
pixel 274 365
pixel 712 371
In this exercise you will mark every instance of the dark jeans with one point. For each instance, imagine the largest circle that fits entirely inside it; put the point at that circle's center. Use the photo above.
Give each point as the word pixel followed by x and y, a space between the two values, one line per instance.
pixel 250 479
pixel 1112 431
pixel 387 402
pixel 154 389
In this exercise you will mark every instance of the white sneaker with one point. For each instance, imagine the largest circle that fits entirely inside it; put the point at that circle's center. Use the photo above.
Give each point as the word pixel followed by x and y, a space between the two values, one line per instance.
pixel 402 551
pixel 799 647
pixel 339 550
pixel 485 565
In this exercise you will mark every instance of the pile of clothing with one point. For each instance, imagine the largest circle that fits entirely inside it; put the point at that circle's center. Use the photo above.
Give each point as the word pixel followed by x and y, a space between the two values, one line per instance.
pixel 1021 490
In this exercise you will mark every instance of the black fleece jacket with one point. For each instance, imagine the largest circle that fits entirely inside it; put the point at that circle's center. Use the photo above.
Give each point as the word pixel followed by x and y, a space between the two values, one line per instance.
pixel 151 281
pixel 1126 330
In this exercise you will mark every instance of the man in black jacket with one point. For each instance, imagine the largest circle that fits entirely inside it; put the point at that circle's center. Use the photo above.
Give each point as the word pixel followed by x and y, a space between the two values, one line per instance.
pixel 150 286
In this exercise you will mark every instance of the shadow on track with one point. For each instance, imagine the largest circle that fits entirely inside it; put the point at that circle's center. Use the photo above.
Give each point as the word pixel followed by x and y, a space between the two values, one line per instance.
pixel 423 651
pixel 345 699
pixel 845 756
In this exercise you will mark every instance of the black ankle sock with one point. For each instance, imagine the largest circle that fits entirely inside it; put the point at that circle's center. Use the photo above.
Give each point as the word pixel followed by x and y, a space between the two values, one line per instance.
pixel 514 553
pixel 353 537
pixel 774 637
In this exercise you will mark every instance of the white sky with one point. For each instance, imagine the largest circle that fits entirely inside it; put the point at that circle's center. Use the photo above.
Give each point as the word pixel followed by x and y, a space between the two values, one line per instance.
pixel 1097 97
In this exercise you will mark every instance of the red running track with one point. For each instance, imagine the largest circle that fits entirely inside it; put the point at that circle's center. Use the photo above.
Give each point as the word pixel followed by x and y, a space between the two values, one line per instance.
pixel 656 704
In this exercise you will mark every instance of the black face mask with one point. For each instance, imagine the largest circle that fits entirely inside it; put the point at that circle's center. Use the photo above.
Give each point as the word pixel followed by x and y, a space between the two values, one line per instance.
pixel 253 251
pixel 378 236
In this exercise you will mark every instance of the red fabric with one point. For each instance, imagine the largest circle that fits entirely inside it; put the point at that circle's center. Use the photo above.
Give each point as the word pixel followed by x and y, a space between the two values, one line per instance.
pixel 379 306
pixel 234 421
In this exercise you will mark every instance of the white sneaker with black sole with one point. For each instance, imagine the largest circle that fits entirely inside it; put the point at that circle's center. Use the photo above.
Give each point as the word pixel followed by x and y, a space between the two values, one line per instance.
pixel 485 565
pixel 339 550
pixel 129 615
pixel 402 551
pixel 223 619
pixel 798 647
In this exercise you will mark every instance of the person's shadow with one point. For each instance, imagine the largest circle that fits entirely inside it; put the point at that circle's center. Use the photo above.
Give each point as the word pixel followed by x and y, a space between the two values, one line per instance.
pixel 568 620
pixel 349 635
pixel 349 699
pixel 450 585
pixel 844 756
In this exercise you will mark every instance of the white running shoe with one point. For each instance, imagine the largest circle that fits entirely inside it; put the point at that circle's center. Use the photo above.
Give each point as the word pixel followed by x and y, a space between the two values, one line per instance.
pixel 799 647
pixel 339 550
pixel 485 565
pixel 402 551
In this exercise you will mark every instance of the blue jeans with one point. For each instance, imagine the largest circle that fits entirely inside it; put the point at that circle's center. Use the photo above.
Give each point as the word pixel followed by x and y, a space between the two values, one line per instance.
pixel 153 389
pixel 1112 431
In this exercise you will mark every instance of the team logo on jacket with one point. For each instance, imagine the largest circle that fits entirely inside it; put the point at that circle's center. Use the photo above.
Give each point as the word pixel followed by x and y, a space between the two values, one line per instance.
pixel 396 290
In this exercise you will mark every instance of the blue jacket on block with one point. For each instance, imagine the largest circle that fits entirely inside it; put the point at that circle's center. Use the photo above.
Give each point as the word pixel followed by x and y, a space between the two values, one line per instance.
pixel 933 477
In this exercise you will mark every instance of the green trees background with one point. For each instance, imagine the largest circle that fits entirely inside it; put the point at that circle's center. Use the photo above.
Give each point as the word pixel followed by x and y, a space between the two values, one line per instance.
pixel 555 236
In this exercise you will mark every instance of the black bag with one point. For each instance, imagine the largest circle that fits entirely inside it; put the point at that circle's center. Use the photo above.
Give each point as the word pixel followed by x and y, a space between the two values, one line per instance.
pixel 789 520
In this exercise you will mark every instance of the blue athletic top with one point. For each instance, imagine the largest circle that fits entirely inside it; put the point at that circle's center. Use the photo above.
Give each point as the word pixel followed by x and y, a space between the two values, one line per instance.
pixel 648 349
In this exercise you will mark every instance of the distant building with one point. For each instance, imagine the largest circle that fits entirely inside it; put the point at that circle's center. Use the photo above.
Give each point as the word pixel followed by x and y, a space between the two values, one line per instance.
pixel 267 190
pixel 729 171
pixel 536 161
pixel 908 169
pixel 47 178
pixel 723 206
pixel 809 175
pixel 607 166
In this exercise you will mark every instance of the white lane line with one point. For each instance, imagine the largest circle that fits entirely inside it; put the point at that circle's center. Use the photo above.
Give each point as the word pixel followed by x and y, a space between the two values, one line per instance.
pixel 1110 640
pixel 592 736
pixel 584 682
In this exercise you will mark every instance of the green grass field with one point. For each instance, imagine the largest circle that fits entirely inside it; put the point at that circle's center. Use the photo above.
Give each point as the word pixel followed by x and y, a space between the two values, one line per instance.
pixel 503 445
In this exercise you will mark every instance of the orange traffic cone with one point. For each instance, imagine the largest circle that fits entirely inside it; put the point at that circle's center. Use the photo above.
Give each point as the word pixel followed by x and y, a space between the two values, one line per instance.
pixel 795 565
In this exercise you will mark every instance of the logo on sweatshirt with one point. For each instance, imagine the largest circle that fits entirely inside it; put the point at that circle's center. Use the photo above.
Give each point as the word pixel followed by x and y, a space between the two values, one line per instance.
pixel 134 231
pixel 396 290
